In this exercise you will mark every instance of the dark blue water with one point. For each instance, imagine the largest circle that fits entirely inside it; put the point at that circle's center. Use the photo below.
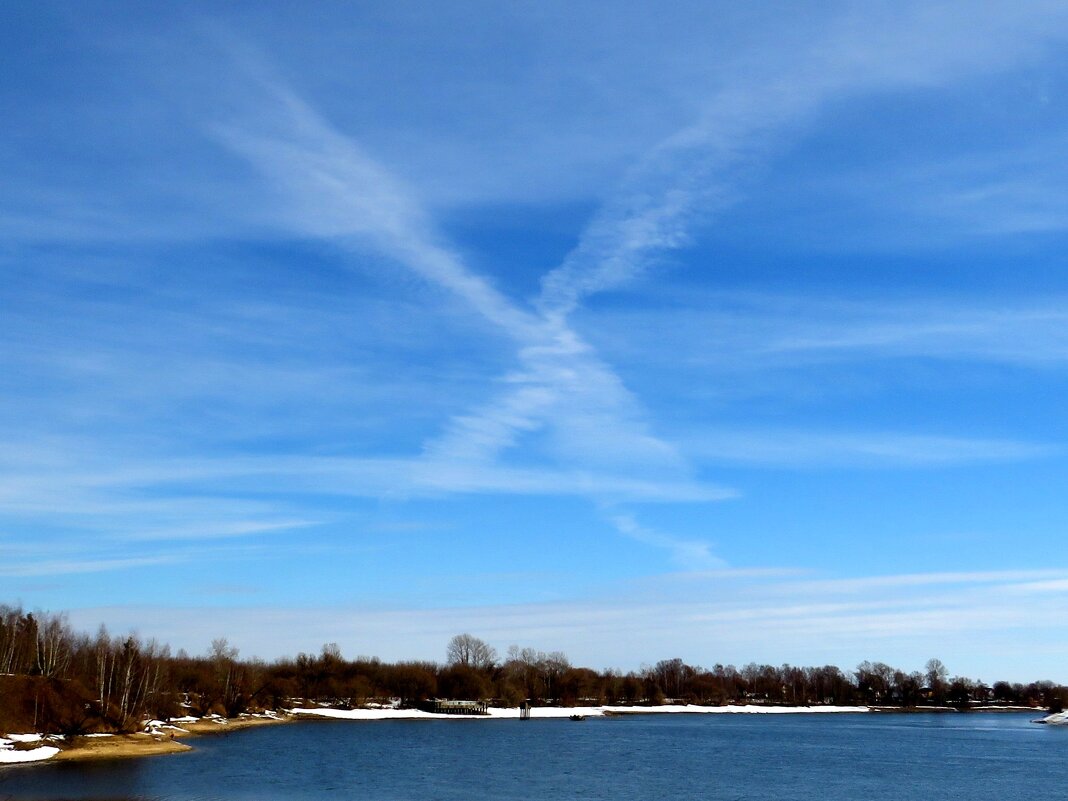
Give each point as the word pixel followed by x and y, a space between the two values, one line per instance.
pixel 1001 757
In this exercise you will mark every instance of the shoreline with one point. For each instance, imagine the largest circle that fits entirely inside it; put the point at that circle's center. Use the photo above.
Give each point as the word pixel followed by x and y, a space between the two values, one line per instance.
pixel 565 712
pixel 162 737
pixel 166 737
pixel 556 712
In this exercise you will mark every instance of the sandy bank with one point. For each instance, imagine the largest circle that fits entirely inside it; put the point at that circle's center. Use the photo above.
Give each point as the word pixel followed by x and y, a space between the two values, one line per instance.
pixel 217 725
pixel 161 737
pixel 119 746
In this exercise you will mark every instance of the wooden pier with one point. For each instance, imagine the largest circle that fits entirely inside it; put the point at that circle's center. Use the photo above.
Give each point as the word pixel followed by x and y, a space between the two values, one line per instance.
pixel 459 707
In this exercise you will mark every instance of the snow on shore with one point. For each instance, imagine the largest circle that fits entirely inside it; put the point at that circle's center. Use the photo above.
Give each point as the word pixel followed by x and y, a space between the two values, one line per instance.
pixel 1057 719
pixel 543 712
pixel 9 756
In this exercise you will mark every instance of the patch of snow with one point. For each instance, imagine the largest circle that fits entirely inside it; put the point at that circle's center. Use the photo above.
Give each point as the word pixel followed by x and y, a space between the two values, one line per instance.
pixel 11 757
pixel 546 712
pixel 1056 719
pixel 25 738
pixel 268 714
pixel 184 719
pixel 158 727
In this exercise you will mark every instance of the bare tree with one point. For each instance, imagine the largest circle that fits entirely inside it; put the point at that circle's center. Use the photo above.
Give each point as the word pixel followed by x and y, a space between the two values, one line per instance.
pixel 228 672
pixel 331 654
pixel 937 675
pixel 53 646
pixel 470 651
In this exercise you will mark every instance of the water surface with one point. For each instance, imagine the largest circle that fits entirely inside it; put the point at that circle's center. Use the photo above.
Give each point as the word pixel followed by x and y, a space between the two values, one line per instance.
pixel 877 757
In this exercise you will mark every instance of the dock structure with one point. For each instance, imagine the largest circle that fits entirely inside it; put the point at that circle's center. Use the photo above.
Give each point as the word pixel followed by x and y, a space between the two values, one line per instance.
pixel 459 707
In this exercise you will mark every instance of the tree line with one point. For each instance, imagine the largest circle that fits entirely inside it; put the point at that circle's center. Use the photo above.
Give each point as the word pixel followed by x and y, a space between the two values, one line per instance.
pixel 55 679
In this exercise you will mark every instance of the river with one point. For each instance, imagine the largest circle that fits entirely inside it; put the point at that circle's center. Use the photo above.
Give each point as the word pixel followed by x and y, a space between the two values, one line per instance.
pixel 849 757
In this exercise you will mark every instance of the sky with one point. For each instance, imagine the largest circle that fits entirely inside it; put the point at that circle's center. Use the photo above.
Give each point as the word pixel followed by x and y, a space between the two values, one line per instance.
pixel 728 332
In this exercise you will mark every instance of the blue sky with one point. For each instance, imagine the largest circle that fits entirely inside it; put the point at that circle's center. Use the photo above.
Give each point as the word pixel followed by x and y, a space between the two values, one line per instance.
pixel 728 333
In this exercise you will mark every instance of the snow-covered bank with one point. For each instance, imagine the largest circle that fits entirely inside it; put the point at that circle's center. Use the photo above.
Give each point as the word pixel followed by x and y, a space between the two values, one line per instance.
pixel 10 756
pixel 542 712
pixel 1056 719
pixel 157 737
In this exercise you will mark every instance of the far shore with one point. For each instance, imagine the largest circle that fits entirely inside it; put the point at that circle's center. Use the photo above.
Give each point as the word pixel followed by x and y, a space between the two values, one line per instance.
pixel 165 737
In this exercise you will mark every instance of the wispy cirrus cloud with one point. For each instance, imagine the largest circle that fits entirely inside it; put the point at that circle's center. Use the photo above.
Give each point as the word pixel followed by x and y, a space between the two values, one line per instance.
pixel 693 173
pixel 564 404
pixel 331 188
pixel 691 554
pixel 758 331
pixel 220 530
pixel 67 567
pixel 989 190
pixel 112 490
pixel 874 449
pixel 1009 579
pixel 587 418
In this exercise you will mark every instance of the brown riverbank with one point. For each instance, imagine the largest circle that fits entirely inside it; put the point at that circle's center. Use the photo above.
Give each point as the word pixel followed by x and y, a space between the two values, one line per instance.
pixel 167 740
pixel 119 746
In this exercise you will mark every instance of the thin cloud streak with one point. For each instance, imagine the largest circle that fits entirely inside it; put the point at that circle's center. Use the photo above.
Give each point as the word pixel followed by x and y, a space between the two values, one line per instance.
pixel 753 331
pixel 814 449
pixel 104 491
pixel 67 567
pixel 227 530
pixel 690 554
pixel 1007 578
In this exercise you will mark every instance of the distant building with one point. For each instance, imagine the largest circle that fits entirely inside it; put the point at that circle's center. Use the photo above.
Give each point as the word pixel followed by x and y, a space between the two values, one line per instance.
pixel 459 707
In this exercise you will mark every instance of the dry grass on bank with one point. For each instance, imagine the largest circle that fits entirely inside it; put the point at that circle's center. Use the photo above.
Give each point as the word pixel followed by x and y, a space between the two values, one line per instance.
pixel 121 746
